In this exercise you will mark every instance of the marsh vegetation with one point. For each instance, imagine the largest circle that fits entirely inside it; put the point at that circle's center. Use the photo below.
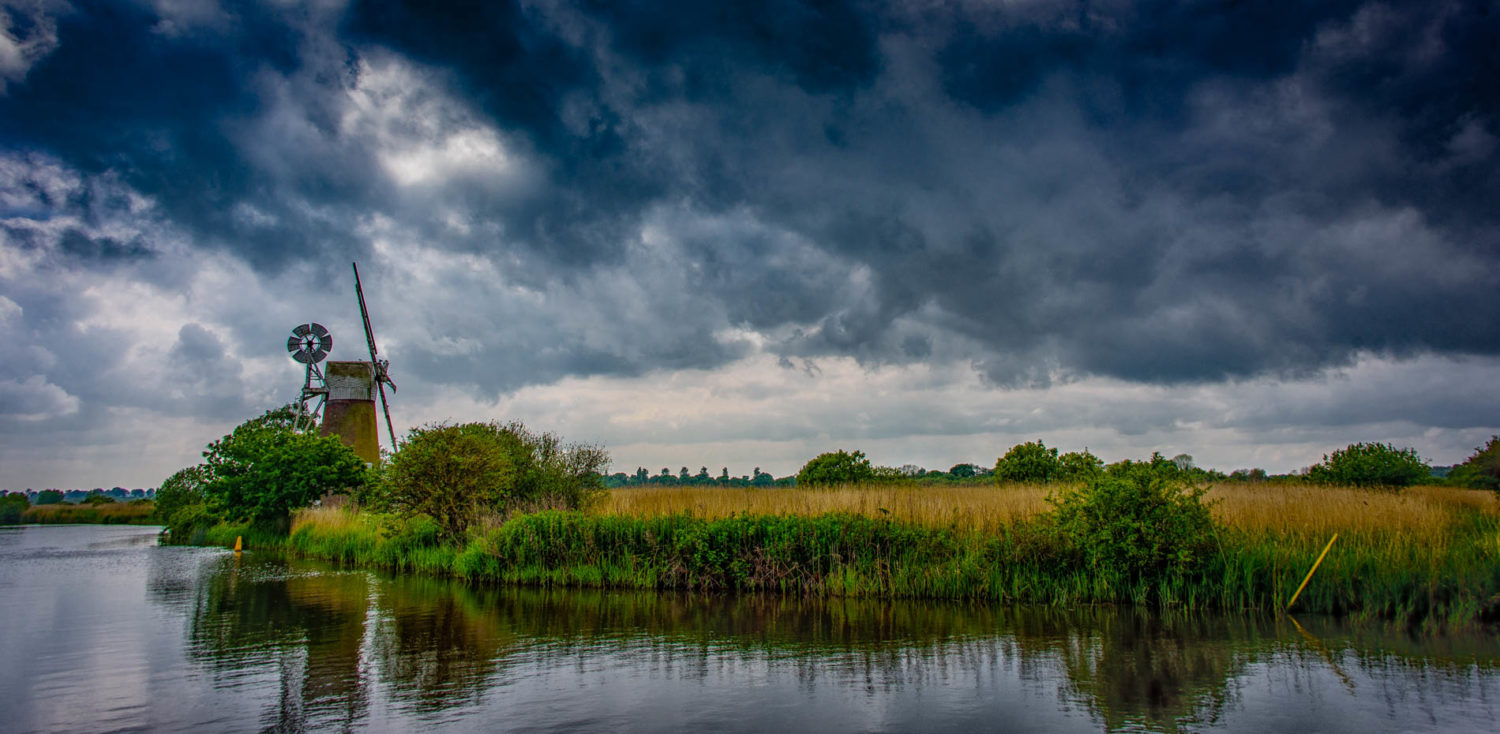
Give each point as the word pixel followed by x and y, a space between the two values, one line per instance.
pixel 501 503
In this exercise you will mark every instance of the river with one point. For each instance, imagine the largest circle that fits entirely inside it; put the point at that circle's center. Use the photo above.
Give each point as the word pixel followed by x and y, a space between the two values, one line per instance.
pixel 102 629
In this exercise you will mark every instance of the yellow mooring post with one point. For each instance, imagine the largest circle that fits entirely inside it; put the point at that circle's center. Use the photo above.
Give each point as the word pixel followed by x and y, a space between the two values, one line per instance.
pixel 1312 571
pixel 238 545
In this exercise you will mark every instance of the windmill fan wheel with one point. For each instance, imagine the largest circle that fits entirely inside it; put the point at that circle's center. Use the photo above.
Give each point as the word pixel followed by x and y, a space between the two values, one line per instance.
pixel 309 343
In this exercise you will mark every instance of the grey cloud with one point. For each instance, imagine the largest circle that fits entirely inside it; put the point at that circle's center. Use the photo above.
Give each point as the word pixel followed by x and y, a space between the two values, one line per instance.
pixel 1168 193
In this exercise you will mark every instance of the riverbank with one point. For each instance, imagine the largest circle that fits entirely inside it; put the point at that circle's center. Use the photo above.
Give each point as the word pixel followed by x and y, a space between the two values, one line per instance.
pixel 1427 559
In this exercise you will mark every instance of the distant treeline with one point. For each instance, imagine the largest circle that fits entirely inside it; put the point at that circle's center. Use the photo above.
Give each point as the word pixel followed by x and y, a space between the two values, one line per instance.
pixel 1361 464
pixel 16 508
pixel 54 496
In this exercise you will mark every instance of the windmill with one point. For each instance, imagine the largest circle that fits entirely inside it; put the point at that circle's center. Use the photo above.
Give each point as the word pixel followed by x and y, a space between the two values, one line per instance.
pixel 342 394
pixel 309 344
pixel 382 366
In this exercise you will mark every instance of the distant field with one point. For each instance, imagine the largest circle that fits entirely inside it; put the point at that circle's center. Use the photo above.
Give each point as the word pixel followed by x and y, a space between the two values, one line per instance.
pixel 1278 509
pixel 119 513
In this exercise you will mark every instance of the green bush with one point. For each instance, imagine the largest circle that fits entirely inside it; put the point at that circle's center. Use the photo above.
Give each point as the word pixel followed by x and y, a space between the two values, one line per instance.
pixel 49 497
pixel 98 499
pixel 1077 466
pixel 1480 471
pixel 1136 524
pixel 267 467
pixel 1028 462
pixel 963 471
pixel 836 467
pixel 1371 465
pixel 549 472
pixel 12 506
pixel 455 473
pixel 178 492
pixel 452 473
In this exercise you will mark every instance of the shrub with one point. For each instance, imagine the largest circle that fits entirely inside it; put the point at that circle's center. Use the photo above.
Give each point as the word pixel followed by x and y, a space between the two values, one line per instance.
pixel 1079 466
pixel 1135 524
pixel 454 473
pixel 49 497
pixel 963 471
pixel 267 467
pixel 1482 470
pixel 1028 462
pixel 98 499
pixel 1371 465
pixel 836 467
pixel 1157 465
pixel 549 472
pixel 451 474
pixel 181 490
pixel 12 506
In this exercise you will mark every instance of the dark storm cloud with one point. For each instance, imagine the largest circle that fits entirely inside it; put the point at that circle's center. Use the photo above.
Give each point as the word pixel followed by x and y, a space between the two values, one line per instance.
pixel 1156 191
pixel 130 93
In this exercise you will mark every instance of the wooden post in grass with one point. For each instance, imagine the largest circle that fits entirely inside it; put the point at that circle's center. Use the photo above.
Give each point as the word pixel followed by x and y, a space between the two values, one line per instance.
pixel 1312 571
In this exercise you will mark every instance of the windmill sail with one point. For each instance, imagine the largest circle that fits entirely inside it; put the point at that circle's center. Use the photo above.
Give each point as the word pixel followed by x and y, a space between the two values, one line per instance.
pixel 382 367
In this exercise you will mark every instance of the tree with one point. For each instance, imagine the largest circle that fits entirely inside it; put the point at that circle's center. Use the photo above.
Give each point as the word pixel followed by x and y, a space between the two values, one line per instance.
pixel 451 473
pixel 266 468
pixel 1482 470
pixel 12 506
pixel 1371 465
pixel 963 471
pixel 49 497
pixel 1028 462
pixel 836 467
pixel 550 471
pixel 98 499
pixel 178 492
pixel 1079 466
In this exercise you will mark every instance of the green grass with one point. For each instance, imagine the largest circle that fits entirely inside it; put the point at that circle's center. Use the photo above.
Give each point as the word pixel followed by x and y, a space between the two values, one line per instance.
pixel 1375 576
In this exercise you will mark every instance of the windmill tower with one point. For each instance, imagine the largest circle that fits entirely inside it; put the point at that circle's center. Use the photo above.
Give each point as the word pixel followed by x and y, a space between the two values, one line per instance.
pixel 344 392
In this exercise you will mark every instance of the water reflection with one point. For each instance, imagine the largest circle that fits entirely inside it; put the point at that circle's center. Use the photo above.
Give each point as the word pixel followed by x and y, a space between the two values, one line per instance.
pixel 341 643
pixel 306 625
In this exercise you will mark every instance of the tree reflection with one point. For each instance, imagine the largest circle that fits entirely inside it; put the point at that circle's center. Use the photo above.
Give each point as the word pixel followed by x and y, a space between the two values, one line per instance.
pixel 308 625
pixel 1161 671
pixel 330 636
pixel 440 641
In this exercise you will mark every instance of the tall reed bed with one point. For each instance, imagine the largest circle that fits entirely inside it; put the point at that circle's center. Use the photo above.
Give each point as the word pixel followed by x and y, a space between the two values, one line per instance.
pixel 1430 558
pixel 987 507
pixel 975 508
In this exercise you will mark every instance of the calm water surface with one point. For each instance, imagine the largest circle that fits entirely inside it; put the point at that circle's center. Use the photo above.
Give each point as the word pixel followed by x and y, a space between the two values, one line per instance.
pixel 103 630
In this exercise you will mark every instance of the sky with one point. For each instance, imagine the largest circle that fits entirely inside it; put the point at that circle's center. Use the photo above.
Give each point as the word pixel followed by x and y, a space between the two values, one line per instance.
pixel 739 234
